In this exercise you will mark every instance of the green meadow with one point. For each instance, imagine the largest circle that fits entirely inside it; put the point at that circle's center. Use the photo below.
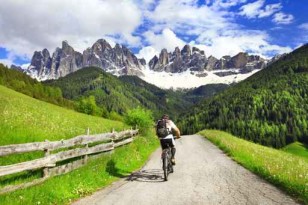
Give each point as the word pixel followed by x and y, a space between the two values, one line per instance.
pixel 24 119
pixel 297 148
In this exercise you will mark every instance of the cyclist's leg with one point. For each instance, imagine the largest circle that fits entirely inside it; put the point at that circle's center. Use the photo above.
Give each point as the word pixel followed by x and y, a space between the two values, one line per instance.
pixel 172 145
pixel 173 150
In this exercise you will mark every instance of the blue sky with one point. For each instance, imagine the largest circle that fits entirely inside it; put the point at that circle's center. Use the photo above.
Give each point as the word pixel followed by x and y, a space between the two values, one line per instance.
pixel 219 27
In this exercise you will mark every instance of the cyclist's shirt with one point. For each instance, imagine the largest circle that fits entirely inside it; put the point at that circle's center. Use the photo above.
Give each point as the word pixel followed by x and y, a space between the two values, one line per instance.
pixel 170 125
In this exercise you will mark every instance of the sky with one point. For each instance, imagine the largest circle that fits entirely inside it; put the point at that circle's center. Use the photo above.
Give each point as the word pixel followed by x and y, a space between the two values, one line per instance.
pixel 219 27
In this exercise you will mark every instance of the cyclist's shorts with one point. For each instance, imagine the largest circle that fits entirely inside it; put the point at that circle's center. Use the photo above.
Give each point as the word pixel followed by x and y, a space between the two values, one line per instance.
pixel 166 142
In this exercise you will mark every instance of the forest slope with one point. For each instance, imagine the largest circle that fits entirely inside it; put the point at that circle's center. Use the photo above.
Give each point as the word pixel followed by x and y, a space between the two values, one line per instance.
pixel 269 108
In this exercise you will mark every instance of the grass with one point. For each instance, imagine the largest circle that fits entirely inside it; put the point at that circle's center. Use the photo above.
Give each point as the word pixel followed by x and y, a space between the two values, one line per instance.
pixel 283 169
pixel 24 119
pixel 98 173
pixel 297 148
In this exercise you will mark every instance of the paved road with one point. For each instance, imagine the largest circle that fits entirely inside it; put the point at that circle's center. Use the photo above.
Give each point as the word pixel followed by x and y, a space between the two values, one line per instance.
pixel 203 175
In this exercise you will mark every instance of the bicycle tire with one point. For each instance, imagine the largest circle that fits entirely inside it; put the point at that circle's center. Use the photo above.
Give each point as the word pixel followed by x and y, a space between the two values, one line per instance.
pixel 165 167
pixel 170 167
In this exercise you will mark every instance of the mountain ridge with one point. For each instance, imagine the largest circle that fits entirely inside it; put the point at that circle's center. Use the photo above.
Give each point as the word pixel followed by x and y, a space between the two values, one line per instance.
pixel 194 59
pixel 119 60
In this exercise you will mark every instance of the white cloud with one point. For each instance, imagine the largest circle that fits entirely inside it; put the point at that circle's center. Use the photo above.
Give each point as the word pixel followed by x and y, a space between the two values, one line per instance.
pixel 304 31
pixel 256 10
pixel 167 39
pixel 251 10
pixel 282 18
pixel 25 66
pixel 6 62
pixel 164 24
pixel 45 24
pixel 148 53
pixel 269 10
pixel 303 26
pixel 253 42
pixel 222 4
pixel 185 16
pixel 213 27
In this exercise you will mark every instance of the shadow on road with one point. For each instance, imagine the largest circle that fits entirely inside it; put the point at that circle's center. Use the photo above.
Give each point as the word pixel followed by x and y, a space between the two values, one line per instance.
pixel 112 169
pixel 150 175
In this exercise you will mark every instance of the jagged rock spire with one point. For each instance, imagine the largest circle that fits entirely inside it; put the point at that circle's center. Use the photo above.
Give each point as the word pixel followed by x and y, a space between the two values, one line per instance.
pixel 118 60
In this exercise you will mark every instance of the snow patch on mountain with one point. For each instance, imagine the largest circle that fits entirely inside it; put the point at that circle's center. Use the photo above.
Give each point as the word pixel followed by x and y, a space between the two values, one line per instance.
pixel 190 79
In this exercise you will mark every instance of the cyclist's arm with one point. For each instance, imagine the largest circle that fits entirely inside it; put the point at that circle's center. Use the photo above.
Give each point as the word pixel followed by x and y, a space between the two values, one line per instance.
pixel 177 133
pixel 175 130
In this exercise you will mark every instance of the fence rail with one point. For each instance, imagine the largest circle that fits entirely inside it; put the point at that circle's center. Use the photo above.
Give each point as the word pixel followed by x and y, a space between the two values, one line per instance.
pixel 107 142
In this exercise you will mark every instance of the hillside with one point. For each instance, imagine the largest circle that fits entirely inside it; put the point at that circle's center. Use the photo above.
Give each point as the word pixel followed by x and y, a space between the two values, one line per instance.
pixel 269 108
pixel 23 83
pixel 25 119
pixel 110 93
pixel 119 94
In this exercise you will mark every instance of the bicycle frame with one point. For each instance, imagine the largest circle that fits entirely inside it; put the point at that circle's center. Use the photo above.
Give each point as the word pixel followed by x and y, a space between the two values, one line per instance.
pixel 167 164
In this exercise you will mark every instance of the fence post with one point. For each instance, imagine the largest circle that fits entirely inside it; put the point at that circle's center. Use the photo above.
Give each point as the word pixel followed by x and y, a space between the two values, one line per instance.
pixel 85 159
pixel 46 169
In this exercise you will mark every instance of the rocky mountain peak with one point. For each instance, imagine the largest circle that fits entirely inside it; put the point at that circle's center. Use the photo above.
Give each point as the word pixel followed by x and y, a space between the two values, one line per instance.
pixel 197 50
pixel 164 57
pixel 117 47
pixel 195 60
pixel 66 48
pixel 65 44
pixel 102 45
pixel 45 53
pixel 177 51
pixel 118 60
pixel 186 50
pixel 179 60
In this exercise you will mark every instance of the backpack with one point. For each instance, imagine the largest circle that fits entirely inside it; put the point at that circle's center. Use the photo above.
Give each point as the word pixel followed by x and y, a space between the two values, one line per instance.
pixel 161 128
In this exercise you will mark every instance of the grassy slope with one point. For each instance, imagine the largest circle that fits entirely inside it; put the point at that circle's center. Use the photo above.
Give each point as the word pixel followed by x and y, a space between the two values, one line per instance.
pixel 24 119
pixel 297 148
pixel 98 173
pixel 283 169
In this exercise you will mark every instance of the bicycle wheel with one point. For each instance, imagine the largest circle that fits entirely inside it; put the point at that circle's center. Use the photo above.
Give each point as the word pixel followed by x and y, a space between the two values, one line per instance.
pixel 165 166
pixel 170 167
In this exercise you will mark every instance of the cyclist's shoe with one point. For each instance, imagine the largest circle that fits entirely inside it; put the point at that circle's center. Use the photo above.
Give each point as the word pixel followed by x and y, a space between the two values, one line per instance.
pixel 173 161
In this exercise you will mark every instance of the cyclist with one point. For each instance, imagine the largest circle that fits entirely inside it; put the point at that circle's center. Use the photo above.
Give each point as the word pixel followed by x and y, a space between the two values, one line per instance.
pixel 173 130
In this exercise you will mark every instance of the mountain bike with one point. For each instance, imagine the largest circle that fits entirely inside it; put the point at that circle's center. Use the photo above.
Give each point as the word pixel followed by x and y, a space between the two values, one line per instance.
pixel 167 164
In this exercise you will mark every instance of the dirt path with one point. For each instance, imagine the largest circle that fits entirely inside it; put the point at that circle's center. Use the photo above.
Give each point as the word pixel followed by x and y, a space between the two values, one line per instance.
pixel 203 175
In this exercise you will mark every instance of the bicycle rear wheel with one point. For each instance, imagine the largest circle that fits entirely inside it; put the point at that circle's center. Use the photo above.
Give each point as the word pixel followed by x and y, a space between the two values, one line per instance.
pixel 165 167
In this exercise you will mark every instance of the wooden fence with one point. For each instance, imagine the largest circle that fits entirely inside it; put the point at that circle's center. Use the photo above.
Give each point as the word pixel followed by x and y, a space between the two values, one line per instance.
pixel 81 147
